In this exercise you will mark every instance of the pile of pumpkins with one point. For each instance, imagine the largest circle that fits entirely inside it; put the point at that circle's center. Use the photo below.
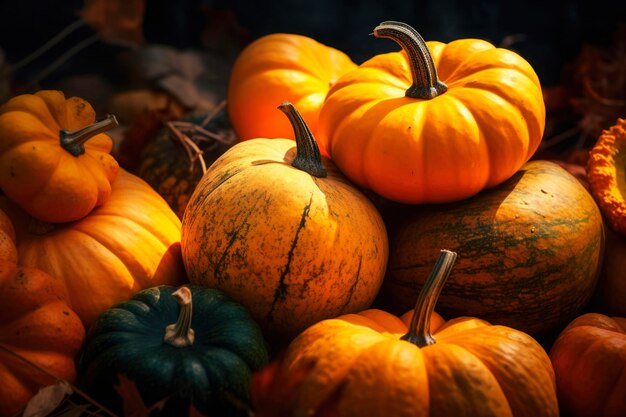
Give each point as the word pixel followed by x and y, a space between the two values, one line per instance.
pixel 304 274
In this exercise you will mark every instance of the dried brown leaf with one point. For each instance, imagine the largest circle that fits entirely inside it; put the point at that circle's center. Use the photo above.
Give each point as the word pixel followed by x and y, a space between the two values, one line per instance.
pixel 48 399
pixel 116 21
pixel 132 402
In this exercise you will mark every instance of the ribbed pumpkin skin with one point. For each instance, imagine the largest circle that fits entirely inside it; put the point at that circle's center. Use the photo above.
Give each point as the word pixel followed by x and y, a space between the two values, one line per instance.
pixel 474 369
pixel 294 249
pixel 127 244
pixel 36 323
pixel 529 251
pixel 589 359
pixel 474 136
pixel 164 165
pixel 128 339
pixel 45 179
pixel 280 67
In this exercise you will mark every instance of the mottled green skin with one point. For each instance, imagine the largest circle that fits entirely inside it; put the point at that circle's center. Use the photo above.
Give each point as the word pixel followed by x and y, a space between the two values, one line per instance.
pixel 212 374
pixel 529 251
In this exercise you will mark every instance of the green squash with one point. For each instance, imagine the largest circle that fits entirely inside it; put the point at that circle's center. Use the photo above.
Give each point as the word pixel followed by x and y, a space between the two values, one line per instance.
pixel 148 340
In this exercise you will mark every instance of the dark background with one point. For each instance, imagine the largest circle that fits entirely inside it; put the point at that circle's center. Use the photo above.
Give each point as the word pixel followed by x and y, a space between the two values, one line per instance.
pixel 547 33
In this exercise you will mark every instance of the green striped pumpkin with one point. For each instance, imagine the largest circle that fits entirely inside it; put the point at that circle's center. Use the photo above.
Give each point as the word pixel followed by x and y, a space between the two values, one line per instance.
pixel 529 251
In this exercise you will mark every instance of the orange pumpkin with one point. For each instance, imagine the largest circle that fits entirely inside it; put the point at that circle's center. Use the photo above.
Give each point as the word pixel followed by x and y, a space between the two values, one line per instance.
pixel 395 127
pixel 55 161
pixel 606 169
pixel 373 364
pixel 280 230
pixel 8 251
pixel 280 67
pixel 37 324
pixel 129 243
pixel 589 359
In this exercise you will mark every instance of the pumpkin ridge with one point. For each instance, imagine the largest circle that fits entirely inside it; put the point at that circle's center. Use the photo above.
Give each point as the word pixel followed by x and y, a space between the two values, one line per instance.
pixel 281 289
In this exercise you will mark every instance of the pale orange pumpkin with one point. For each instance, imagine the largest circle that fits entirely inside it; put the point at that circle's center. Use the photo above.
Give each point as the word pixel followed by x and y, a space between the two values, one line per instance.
pixel 54 158
pixel 129 243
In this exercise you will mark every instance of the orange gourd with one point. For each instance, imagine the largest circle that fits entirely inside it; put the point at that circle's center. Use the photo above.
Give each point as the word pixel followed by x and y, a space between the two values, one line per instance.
pixel 55 161
pixel 374 363
pixel 606 170
pixel 281 231
pixel 280 67
pixel 436 122
pixel 36 324
pixel 589 359
pixel 129 243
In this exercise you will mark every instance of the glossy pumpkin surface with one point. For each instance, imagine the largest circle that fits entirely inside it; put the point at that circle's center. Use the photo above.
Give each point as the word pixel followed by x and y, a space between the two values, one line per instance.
pixel 37 324
pixel 212 373
pixel 52 180
pixel 530 251
pixel 129 243
pixel 293 247
pixel 482 122
pixel 373 363
pixel 279 67
pixel 589 359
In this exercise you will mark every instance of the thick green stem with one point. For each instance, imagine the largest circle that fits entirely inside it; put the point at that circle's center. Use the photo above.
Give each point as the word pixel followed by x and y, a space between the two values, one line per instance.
pixel 426 85
pixel 74 141
pixel 180 334
pixel 308 157
pixel 419 329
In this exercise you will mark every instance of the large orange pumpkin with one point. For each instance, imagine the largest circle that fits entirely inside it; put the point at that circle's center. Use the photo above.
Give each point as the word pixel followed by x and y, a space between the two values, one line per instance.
pixel 280 230
pixel 55 161
pixel 530 251
pixel 436 122
pixel 374 363
pixel 36 325
pixel 129 243
pixel 280 67
pixel 589 359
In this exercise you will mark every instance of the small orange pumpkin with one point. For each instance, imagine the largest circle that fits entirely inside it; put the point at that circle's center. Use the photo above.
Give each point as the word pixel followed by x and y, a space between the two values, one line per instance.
pixel 373 364
pixel 55 161
pixel 280 230
pixel 280 67
pixel 394 127
pixel 589 359
pixel 37 324
pixel 129 243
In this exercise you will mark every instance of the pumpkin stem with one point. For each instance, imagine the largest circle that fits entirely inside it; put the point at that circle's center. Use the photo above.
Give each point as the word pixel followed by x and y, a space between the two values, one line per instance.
pixel 419 329
pixel 426 85
pixel 73 141
pixel 180 334
pixel 308 157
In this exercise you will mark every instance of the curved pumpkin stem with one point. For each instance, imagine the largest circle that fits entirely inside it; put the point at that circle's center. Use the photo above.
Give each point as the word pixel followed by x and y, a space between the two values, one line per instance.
pixel 180 334
pixel 73 141
pixel 426 85
pixel 308 157
pixel 419 329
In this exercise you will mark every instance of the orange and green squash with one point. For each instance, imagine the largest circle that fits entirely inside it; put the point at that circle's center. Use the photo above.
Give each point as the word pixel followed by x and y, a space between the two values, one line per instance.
pixel 530 251
pixel 55 160
pixel 40 335
pixel 374 363
pixel 606 173
pixel 279 67
pixel 435 122
pixel 129 243
pixel 191 347
pixel 589 359
pixel 280 230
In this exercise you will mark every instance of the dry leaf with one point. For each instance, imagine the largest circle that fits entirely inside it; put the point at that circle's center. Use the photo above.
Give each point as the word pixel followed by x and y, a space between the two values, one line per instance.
pixel 116 21
pixel 48 399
